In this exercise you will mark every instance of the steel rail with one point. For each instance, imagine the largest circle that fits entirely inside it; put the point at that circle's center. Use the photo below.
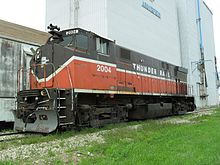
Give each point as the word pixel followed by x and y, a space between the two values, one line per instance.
pixel 11 133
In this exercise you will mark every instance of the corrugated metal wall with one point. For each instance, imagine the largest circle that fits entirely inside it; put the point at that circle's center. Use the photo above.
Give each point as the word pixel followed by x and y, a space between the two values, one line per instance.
pixel 132 26
pixel 15 44
pixel 9 62
pixel 209 51
pixel 125 21
pixel 91 15
pixel 188 19
pixel 189 39
pixel 58 13
pixel 13 55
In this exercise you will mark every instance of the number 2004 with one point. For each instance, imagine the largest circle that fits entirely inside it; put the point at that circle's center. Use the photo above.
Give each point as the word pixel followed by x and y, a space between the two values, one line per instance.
pixel 102 68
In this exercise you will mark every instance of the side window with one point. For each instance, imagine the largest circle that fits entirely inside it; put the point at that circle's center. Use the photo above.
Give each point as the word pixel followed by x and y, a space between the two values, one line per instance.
pixel 81 42
pixel 125 54
pixel 102 46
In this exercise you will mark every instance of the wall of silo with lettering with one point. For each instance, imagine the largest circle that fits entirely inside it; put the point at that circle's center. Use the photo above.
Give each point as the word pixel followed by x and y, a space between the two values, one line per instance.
pixel 149 27
pixel 146 26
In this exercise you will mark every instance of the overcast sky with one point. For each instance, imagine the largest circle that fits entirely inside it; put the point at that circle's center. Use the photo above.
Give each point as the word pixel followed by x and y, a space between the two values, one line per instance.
pixel 31 13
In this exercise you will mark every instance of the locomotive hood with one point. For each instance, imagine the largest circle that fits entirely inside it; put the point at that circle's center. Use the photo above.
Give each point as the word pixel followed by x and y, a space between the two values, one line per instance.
pixel 48 59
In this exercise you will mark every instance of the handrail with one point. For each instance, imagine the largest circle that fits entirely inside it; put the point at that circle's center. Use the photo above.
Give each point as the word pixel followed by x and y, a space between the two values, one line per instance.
pixel 69 76
pixel 21 71
pixel 71 83
pixel 45 76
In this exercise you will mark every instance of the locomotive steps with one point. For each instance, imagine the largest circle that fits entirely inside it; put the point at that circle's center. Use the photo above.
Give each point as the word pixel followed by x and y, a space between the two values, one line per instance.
pixel 155 139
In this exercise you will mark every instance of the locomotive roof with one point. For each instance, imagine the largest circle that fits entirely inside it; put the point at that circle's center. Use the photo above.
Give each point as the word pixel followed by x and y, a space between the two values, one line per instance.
pixel 77 30
pixel 80 30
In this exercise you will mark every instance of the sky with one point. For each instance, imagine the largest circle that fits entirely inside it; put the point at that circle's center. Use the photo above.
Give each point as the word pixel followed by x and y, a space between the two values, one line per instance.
pixel 31 13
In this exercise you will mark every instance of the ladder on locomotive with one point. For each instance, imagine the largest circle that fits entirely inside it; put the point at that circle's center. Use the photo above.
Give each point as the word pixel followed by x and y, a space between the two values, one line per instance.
pixel 64 108
pixel 65 111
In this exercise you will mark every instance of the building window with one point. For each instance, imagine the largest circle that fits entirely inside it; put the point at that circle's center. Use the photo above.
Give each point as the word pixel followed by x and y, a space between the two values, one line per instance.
pixel 81 42
pixel 102 46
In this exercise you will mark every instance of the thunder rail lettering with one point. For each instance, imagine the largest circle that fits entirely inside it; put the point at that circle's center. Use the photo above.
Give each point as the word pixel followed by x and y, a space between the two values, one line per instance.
pixel 150 70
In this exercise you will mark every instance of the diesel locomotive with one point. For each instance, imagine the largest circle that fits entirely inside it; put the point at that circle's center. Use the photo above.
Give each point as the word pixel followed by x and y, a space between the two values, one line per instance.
pixel 80 79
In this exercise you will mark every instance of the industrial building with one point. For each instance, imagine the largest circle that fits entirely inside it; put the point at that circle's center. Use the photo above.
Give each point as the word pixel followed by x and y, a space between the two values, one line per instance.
pixel 179 32
pixel 15 53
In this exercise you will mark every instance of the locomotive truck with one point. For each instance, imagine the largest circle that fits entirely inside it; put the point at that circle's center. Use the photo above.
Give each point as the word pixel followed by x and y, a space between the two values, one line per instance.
pixel 80 79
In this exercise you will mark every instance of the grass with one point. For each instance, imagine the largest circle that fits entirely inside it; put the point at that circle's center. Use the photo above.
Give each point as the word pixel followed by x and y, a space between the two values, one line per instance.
pixel 56 136
pixel 145 142
pixel 156 143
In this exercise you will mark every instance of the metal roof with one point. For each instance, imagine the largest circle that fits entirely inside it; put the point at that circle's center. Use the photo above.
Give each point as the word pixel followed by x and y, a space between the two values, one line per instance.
pixel 22 33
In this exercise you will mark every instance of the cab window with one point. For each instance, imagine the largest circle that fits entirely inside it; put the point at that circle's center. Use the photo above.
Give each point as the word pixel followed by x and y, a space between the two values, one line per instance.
pixel 66 40
pixel 81 42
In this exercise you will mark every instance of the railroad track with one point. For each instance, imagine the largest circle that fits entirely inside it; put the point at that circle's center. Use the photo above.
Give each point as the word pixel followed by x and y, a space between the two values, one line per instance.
pixel 11 133
pixel 11 136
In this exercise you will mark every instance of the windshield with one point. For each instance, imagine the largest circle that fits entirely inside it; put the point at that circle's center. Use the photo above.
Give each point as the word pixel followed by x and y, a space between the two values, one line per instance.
pixel 78 41
pixel 67 40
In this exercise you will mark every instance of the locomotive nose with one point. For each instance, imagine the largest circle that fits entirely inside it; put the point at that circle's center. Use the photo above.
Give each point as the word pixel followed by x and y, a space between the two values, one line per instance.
pixel 35 115
pixel 45 122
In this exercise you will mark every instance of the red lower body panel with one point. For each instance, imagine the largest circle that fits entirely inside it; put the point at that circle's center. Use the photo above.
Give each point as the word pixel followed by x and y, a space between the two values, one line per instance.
pixel 97 76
